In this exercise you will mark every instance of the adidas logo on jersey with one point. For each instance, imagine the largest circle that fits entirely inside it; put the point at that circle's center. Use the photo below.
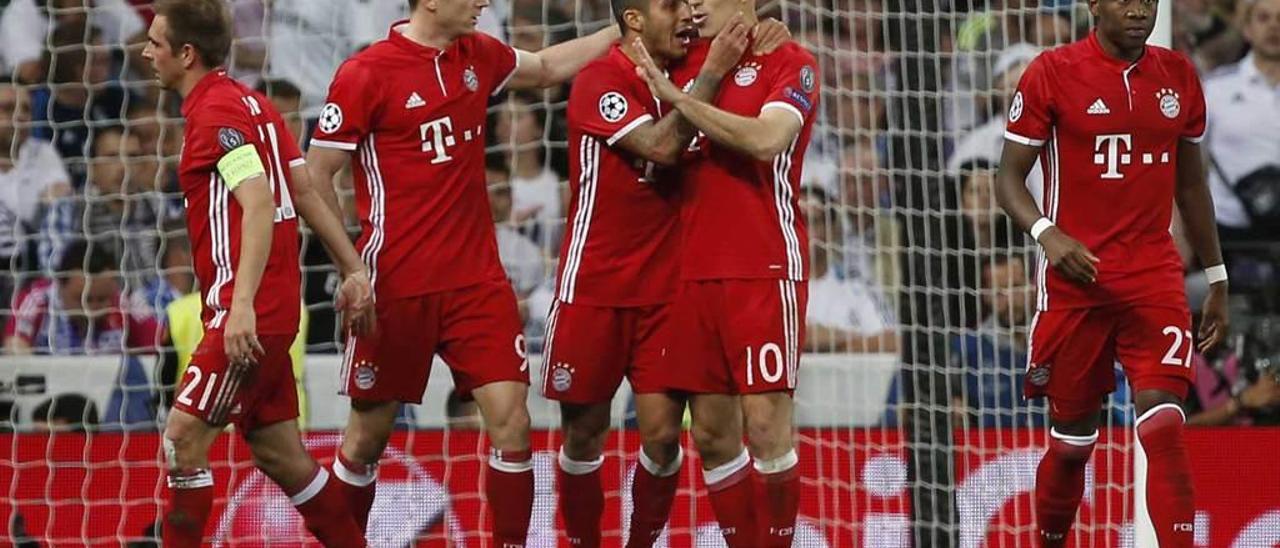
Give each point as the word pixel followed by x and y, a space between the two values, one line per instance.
pixel 1098 107
pixel 415 101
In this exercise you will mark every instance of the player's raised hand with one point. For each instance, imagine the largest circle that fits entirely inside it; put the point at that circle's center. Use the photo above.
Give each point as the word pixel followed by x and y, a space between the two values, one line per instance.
pixel 355 302
pixel 240 337
pixel 659 84
pixel 769 34
pixel 1069 257
pixel 727 48
pixel 1214 322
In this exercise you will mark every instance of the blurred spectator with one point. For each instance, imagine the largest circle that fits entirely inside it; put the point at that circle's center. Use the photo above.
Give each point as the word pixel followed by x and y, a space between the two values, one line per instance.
pixel 308 39
pixel 537 191
pixel 993 357
pixel 116 209
pixel 844 314
pixel 985 225
pixel 81 94
pixel 1243 137
pixel 1241 384
pixel 175 278
pixel 536 25
pixel 79 311
pixel 985 142
pixel 288 101
pixel 521 257
pixel 25 24
pixel 870 234
pixel 65 413
pixel 31 176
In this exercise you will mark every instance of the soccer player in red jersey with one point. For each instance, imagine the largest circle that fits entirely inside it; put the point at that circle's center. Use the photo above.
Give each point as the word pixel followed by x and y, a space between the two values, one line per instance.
pixel 1116 125
pixel 740 309
pixel 619 266
pixel 411 111
pixel 244 184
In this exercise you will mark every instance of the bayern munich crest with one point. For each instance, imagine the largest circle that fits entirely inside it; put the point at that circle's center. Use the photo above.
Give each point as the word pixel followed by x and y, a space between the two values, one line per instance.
pixel 330 118
pixel 1038 374
pixel 561 378
pixel 746 74
pixel 366 376
pixel 470 79
pixel 613 106
pixel 1015 107
pixel 1169 105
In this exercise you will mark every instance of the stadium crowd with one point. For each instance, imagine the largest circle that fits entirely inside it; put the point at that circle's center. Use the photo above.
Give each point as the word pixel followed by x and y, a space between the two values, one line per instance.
pixel 97 262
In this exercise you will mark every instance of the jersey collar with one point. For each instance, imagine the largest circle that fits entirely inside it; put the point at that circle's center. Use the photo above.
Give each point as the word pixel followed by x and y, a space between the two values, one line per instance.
pixel 1119 65
pixel 397 37
pixel 201 87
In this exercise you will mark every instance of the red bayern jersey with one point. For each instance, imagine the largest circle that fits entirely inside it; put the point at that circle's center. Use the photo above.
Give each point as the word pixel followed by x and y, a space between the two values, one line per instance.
pixel 740 217
pixel 414 116
pixel 622 239
pixel 1110 131
pixel 223 115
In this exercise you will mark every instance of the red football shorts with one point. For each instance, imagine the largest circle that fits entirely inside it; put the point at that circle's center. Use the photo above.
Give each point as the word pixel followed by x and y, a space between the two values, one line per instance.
pixel 249 397
pixel 589 349
pixel 475 329
pixel 736 336
pixel 1074 351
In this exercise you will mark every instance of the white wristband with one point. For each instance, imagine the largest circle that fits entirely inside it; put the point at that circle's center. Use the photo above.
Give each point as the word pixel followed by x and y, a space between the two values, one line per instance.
pixel 1216 274
pixel 1042 224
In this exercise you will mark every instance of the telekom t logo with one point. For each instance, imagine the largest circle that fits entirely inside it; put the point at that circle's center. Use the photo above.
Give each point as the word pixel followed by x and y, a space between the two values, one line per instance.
pixel 437 136
pixel 1113 151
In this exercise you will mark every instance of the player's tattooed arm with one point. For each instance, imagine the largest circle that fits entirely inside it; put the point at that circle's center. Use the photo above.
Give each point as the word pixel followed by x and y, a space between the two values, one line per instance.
pixel 557 64
pixel 355 295
pixel 1070 257
pixel 762 137
pixel 1195 204
pixel 663 142
pixel 322 165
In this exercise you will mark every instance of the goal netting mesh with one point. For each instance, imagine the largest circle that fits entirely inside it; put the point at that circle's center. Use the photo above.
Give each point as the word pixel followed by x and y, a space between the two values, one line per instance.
pixel 911 426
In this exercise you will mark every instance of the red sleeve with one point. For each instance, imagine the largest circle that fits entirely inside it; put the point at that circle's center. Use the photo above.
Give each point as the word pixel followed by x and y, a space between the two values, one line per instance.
pixel 603 104
pixel 220 128
pixel 347 115
pixel 498 59
pixel 1194 130
pixel 795 85
pixel 28 314
pixel 1030 120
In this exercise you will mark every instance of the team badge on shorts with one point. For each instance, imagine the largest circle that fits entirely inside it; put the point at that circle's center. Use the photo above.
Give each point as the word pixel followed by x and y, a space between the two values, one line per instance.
pixel 1039 374
pixel 613 106
pixel 1169 105
pixel 330 118
pixel 366 375
pixel 561 377
pixel 746 74
pixel 470 79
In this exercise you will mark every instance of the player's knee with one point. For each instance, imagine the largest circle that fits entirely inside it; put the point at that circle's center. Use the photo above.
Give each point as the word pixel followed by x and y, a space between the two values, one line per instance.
pixel 584 442
pixel 1146 400
pixel 509 430
pixel 768 427
pixel 716 445
pixel 661 438
pixel 182 445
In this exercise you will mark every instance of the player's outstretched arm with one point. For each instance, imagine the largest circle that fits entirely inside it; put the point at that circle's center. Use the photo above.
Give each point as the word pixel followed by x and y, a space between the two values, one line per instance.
pixel 355 297
pixel 258 210
pixel 557 64
pixel 1068 256
pixel 663 142
pixel 1195 203
pixel 322 165
pixel 762 137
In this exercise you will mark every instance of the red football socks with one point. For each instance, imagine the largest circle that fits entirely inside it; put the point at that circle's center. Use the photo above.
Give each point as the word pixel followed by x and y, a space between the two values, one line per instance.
pixel 1165 507
pixel 1060 485
pixel 358 483
pixel 325 513
pixel 730 487
pixel 187 507
pixel 509 490
pixel 653 489
pixel 778 489
pixel 581 499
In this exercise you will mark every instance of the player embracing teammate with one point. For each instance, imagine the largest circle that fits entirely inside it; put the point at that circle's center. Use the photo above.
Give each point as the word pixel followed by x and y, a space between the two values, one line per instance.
pixel 1116 125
